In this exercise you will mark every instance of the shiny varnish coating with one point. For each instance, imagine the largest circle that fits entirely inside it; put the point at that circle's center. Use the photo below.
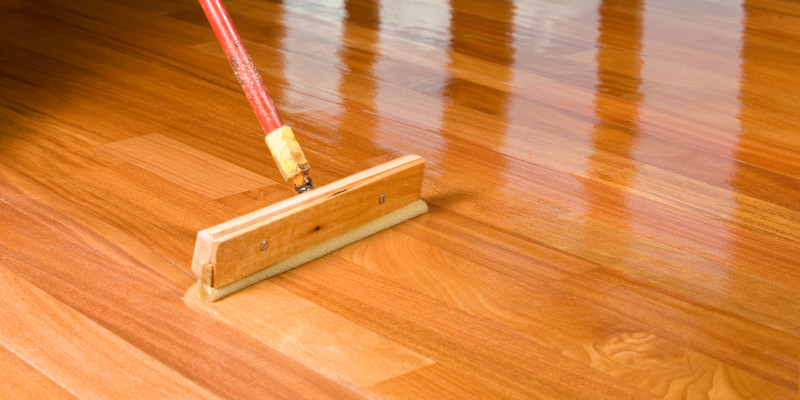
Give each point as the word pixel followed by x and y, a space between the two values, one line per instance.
pixel 614 191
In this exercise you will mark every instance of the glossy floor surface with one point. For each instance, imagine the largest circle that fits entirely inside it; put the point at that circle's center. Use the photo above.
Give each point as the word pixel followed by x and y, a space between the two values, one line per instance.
pixel 614 191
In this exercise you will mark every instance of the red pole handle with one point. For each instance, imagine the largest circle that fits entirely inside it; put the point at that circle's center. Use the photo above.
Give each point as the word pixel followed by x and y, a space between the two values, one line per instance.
pixel 242 65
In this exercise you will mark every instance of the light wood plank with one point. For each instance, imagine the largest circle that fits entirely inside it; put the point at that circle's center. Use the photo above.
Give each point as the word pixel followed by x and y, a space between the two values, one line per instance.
pixel 624 351
pixel 696 197
pixel 197 171
pixel 326 342
pixel 483 350
pixel 86 356
pixel 20 380
pixel 143 308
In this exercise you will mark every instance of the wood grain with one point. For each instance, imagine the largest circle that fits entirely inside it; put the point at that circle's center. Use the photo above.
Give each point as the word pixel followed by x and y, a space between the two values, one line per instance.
pixel 237 248
pixel 613 191
pixel 322 340
pixel 207 175
pixel 20 380
pixel 86 355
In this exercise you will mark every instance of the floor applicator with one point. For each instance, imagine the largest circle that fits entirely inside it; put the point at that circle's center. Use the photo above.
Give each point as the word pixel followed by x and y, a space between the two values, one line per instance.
pixel 240 252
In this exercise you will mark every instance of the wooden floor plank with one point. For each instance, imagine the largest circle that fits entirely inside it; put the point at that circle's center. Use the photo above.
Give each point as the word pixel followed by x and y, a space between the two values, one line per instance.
pixel 331 344
pixel 440 382
pixel 198 171
pixel 139 306
pixel 21 380
pixel 86 356
pixel 652 308
pixel 613 191
pixel 448 335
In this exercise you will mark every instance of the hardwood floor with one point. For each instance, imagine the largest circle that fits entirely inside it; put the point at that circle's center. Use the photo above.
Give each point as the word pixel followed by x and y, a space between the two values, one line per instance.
pixel 614 192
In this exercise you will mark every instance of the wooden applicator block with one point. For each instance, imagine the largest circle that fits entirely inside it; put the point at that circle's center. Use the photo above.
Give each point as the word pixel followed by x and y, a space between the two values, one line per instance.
pixel 266 242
